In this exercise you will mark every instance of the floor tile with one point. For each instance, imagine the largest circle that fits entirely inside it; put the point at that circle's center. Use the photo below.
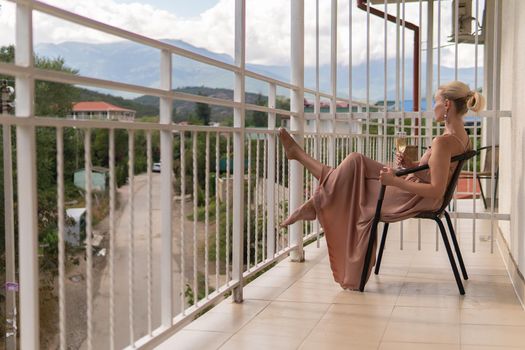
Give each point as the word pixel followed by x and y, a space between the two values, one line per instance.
pixel 417 346
pixel 421 332
pixel 190 340
pixel 493 335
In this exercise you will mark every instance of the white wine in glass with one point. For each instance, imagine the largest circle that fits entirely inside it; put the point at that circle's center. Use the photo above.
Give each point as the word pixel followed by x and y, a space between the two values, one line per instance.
pixel 401 142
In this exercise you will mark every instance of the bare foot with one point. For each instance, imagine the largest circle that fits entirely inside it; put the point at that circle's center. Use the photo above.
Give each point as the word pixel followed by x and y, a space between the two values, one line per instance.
pixel 304 212
pixel 290 146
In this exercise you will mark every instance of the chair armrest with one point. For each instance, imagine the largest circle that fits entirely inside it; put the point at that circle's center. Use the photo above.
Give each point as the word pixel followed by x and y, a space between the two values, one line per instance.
pixel 463 156
pixel 487 147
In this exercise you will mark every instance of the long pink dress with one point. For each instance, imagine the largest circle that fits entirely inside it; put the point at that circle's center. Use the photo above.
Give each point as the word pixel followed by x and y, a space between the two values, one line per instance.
pixel 345 203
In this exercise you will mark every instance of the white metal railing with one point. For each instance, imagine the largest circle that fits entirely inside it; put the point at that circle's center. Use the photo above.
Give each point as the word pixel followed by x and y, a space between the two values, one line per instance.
pixel 260 187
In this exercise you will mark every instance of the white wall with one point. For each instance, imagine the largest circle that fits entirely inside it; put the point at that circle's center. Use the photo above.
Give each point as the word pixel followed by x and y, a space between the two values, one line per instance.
pixel 512 132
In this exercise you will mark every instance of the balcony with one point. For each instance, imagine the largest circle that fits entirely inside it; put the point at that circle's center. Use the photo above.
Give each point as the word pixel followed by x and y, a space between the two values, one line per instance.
pixel 412 304
pixel 193 256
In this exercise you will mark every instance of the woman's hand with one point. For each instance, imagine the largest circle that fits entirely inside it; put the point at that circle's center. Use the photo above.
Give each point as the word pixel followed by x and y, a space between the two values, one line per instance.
pixel 387 176
pixel 403 161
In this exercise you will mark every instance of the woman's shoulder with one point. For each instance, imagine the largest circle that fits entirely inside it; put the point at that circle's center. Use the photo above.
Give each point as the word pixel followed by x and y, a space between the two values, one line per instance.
pixel 441 141
pixel 451 142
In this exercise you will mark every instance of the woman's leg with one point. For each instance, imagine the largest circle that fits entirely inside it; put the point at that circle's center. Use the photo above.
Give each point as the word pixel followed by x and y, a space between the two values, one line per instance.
pixel 304 212
pixel 294 151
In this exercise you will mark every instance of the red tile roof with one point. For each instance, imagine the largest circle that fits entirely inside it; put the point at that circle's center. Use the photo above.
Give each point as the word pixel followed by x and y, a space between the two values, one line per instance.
pixel 98 106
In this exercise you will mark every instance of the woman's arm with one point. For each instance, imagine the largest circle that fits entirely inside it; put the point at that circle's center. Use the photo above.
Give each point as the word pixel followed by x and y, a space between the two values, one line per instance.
pixel 439 164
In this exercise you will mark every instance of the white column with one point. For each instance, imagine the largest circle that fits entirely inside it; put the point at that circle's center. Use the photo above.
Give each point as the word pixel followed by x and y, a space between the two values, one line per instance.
pixel 238 150
pixel 26 183
pixel 491 79
pixel 296 123
pixel 166 185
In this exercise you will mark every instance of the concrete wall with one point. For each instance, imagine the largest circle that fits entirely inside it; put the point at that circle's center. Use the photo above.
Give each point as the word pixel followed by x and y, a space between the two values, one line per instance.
pixel 512 132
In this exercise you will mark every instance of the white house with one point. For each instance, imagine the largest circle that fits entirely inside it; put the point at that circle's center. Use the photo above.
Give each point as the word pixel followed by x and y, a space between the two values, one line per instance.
pixel 101 110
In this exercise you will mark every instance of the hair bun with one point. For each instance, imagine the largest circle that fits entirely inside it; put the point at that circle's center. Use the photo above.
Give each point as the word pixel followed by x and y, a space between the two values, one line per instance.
pixel 475 101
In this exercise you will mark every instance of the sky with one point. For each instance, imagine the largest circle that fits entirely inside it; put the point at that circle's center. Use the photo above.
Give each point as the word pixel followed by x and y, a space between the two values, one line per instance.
pixel 210 24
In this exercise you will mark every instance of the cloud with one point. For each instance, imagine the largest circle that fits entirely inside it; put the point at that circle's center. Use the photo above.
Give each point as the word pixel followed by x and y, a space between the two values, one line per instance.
pixel 267 32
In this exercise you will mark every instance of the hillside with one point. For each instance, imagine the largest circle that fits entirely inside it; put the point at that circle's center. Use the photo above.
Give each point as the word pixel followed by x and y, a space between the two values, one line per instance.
pixel 182 110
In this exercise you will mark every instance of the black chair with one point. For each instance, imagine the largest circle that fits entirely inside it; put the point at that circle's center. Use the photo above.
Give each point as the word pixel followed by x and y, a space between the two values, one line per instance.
pixel 486 173
pixel 434 215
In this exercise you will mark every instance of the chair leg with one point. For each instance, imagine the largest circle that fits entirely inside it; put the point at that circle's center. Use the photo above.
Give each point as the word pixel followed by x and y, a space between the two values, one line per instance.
pixel 450 255
pixel 482 194
pixel 381 248
pixel 496 188
pixel 456 246
pixel 368 256
pixel 373 234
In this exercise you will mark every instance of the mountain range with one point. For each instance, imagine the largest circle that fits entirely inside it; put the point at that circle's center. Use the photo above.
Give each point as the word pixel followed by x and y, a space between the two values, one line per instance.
pixel 134 63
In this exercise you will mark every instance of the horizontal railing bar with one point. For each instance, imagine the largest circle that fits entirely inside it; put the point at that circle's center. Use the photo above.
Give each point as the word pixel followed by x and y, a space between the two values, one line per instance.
pixel 345 116
pixel 481 216
pixel 124 34
pixel 269 80
pixel 338 98
pixel 259 131
pixel 67 78
pixel 283 254
pixel 161 334
pixel 153 43
pixel 252 107
pixel 102 124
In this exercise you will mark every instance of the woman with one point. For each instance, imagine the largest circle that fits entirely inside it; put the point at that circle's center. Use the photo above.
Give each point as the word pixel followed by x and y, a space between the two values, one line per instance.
pixel 345 201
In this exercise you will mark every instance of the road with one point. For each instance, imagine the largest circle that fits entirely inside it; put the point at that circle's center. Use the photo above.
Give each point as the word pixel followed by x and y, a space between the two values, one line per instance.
pixel 140 267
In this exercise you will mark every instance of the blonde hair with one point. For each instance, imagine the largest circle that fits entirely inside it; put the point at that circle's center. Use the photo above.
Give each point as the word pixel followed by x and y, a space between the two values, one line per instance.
pixel 464 99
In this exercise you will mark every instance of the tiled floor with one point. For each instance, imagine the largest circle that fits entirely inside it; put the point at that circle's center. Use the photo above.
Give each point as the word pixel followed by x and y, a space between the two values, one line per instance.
pixel 413 304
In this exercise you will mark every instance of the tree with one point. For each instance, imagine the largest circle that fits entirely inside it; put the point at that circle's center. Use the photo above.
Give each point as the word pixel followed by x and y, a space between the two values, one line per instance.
pixel 260 119
pixel 51 100
pixel 203 112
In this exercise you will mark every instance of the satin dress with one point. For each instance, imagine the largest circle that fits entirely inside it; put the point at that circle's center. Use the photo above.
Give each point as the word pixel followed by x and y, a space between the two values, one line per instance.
pixel 345 203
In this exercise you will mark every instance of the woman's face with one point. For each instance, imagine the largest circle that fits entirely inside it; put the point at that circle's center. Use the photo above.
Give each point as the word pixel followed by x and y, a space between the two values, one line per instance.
pixel 439 107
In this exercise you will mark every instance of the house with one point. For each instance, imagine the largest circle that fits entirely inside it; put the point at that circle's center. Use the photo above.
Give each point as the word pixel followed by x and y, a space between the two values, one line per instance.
pixel 99 178
pixel 102 111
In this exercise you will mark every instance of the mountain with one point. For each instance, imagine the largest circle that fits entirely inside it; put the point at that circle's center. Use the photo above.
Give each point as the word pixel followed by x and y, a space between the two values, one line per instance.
pixel 134 63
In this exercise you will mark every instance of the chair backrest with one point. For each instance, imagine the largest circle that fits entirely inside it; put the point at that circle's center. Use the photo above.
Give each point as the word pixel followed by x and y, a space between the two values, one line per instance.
pixel 449 192
pixel 487 167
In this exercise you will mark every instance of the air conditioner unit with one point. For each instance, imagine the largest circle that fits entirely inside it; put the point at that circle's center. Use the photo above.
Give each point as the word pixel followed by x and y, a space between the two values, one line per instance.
pixel 465 19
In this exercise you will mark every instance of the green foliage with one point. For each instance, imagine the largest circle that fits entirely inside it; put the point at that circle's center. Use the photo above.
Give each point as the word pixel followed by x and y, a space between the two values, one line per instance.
pixel 189 293
pixel 256 118
pixel 54 99
pixel 203 112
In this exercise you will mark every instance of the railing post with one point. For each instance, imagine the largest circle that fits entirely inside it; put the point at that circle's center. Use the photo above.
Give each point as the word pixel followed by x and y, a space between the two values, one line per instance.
pixel 10 314
pixel 26 183
pixel 270 180
pixel 297 122
pixel 238 151
pixel 166 193
pixel 430 69
pixel 332 159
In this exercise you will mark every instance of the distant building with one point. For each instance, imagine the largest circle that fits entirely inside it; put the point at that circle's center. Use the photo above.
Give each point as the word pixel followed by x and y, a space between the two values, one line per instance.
pixel 99 178
pixel 102 111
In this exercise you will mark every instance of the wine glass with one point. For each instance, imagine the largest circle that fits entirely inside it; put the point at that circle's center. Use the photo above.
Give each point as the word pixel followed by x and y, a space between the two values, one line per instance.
pixel 401 143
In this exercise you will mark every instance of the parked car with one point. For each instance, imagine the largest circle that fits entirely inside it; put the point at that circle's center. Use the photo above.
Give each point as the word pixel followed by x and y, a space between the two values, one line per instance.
pixel 156 168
